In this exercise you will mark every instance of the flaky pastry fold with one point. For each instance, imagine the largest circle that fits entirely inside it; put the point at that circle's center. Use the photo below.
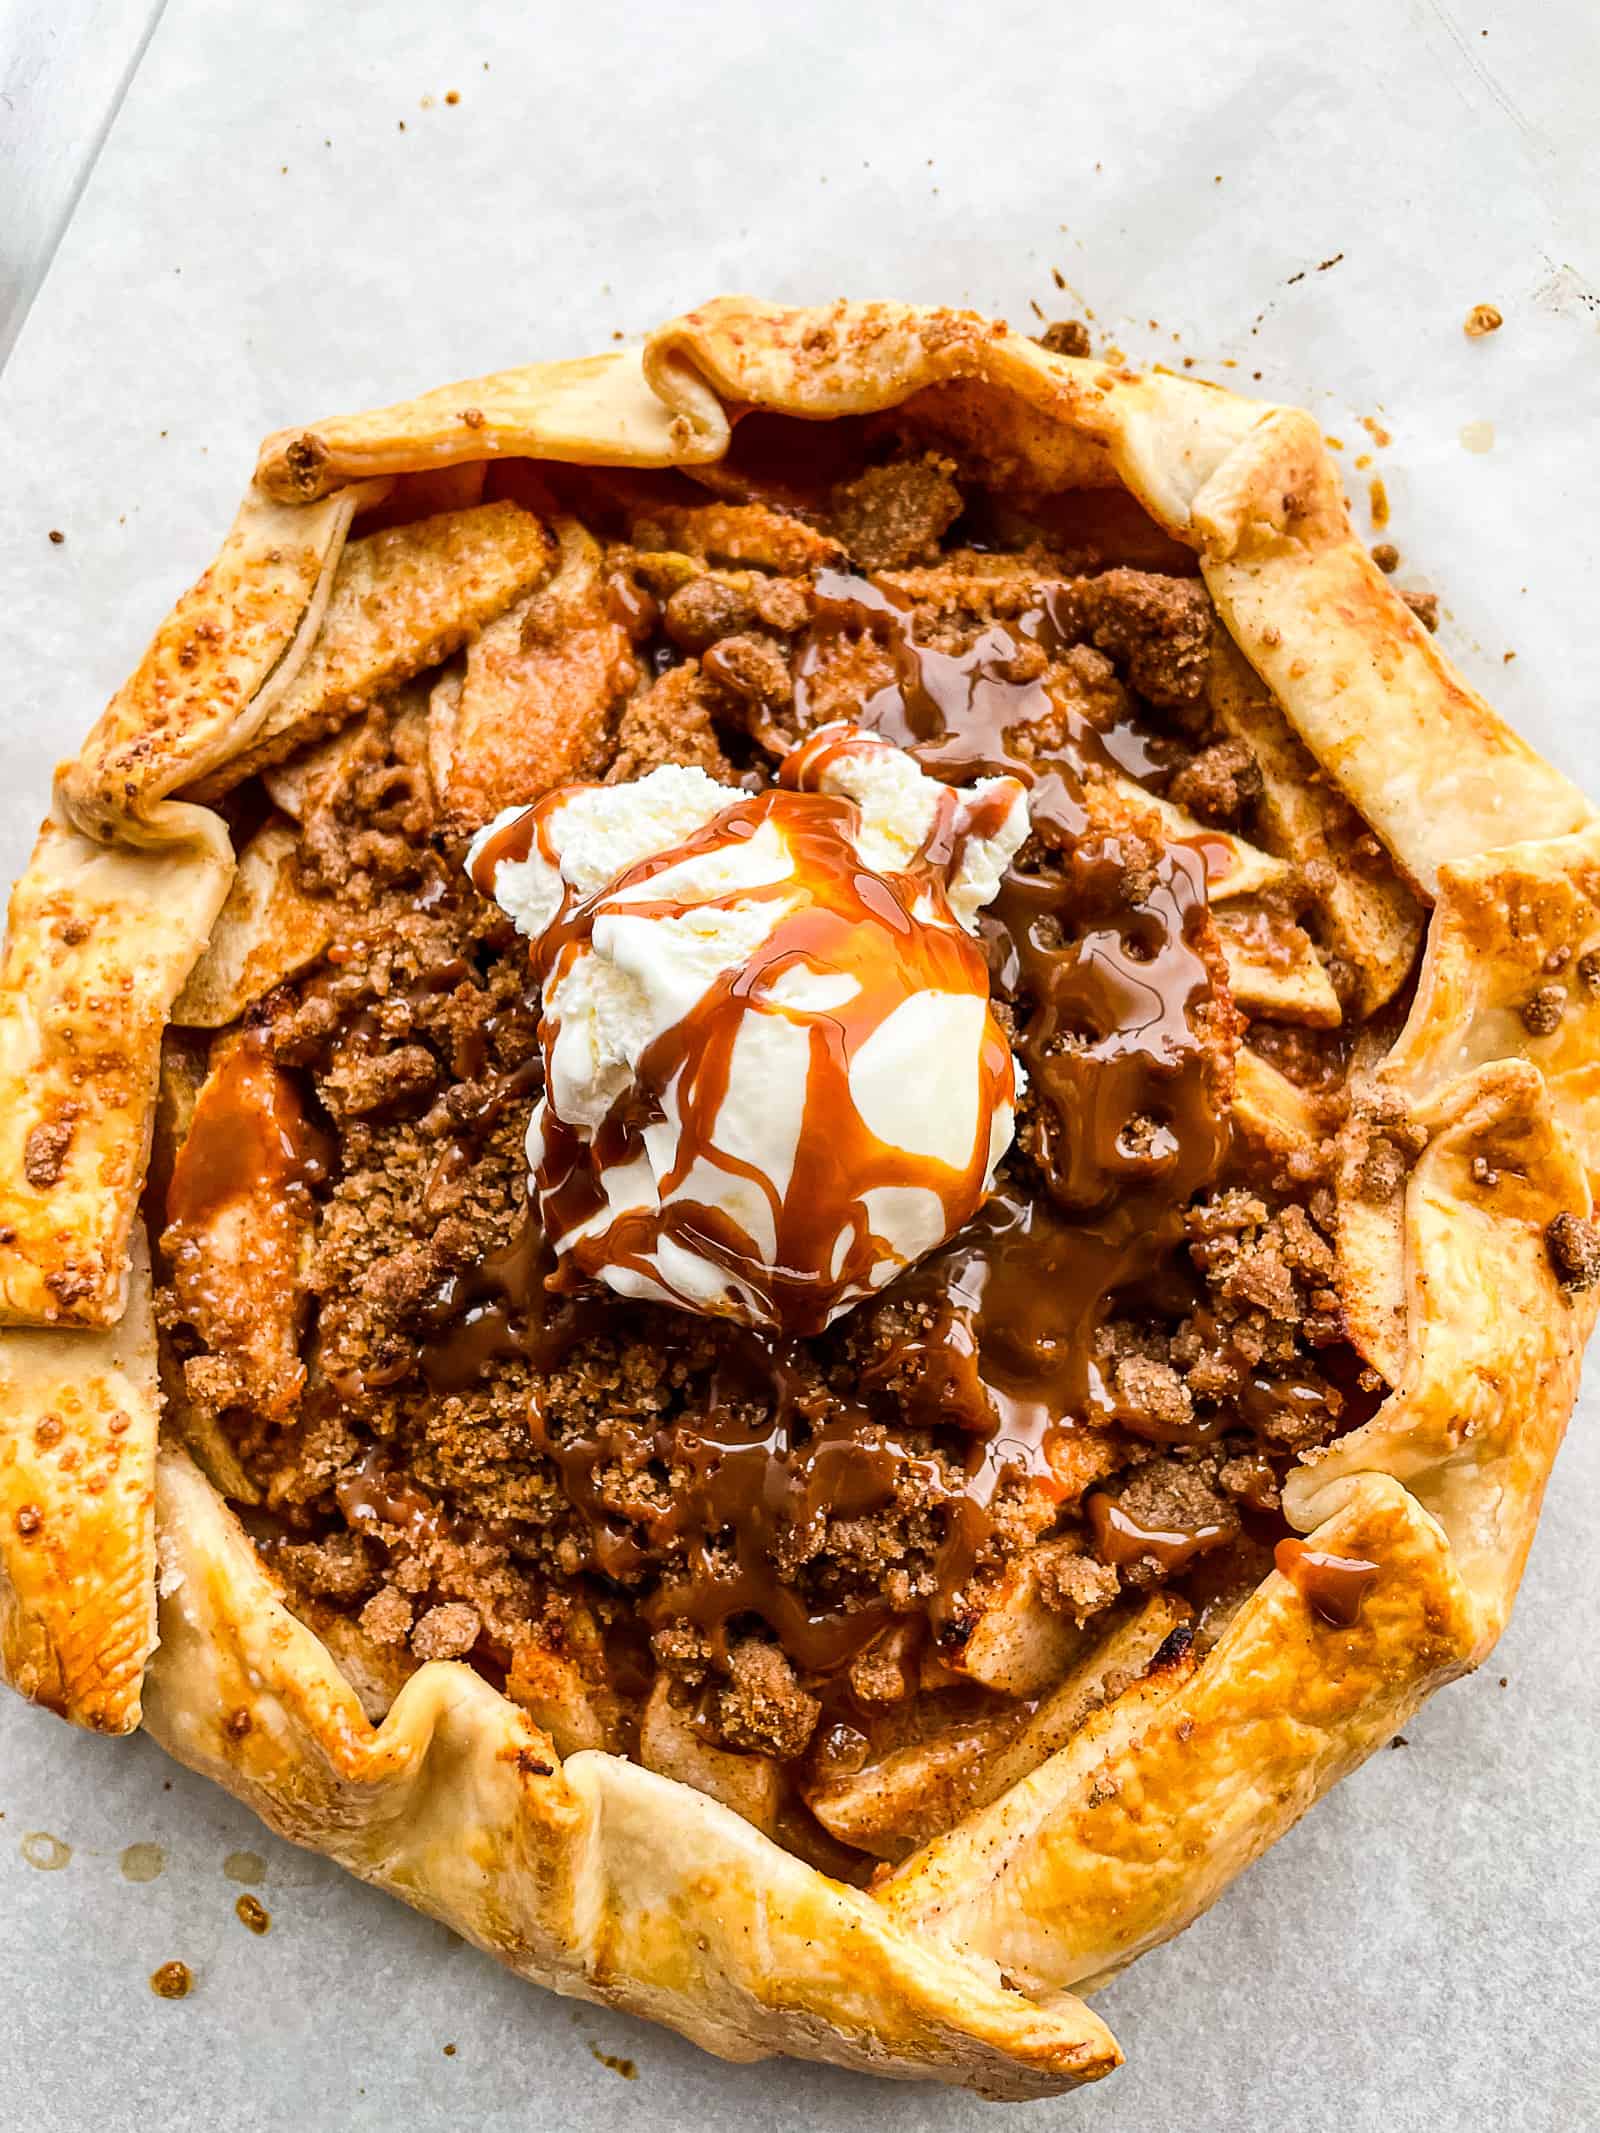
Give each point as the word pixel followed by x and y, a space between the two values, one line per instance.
pixel 593 1875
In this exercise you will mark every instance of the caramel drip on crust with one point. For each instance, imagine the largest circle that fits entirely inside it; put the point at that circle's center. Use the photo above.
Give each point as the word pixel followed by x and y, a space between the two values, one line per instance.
pixel 1332 1586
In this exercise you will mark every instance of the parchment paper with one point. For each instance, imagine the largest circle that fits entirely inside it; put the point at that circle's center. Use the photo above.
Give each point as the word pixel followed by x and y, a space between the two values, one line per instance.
pixel 291 218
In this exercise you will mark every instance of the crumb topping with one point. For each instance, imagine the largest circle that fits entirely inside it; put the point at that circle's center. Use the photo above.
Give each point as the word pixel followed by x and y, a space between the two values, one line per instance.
pixel 811 1548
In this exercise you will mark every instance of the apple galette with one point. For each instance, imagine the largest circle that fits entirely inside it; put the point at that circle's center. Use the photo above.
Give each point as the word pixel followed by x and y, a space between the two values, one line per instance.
pixel 798 1141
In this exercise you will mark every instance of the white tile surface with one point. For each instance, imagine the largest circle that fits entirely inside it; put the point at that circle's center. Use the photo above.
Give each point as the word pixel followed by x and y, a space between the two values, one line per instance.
pixel 261 242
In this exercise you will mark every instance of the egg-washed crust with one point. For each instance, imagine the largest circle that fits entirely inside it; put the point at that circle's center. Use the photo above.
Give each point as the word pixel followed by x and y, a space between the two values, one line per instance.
pixel 100 940
pixel 598 1877
pixel 77 1496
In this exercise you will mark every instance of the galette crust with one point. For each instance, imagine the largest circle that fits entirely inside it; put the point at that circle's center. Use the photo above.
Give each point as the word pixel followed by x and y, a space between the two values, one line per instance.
pixel 596 1876
pixel 77 1496
pixel 101 938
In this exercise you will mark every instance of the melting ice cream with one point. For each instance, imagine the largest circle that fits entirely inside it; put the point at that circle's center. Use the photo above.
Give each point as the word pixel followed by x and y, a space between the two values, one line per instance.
pixel 772 1076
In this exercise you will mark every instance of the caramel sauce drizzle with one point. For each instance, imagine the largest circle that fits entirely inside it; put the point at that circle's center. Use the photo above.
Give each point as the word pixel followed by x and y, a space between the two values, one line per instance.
pixel 512 843
pixel 851 919
pixel 1121 1538
pixel 758 1471
pixel 1110 983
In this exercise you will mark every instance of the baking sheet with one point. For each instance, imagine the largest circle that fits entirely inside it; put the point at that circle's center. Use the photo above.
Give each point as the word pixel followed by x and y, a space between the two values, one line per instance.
pixel 291 217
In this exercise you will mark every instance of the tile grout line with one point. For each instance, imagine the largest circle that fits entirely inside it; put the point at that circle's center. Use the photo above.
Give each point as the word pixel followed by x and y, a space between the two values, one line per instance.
pixel 90 163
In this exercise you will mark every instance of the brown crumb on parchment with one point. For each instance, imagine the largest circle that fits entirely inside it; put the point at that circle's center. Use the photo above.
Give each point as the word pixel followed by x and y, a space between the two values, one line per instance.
pixel 1066 337
pixel 1482 319
pixel 618 2065
pixel 173 1981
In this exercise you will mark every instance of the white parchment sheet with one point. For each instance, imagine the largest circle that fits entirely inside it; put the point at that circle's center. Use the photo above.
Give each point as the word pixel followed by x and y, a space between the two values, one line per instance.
pixel 291 217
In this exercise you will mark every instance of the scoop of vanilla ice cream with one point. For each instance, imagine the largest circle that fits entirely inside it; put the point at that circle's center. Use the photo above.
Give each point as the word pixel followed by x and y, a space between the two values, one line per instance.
pixel 773 1079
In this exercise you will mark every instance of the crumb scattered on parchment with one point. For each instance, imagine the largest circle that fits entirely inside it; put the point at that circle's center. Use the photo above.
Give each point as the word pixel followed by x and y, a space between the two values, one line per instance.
pixel 252 1912
pixel 1066 336
pixel 56 536
pixel 624 2067
pixel 1482 319
pixel 173 1981
pixel 1386 556
pixel 1378 496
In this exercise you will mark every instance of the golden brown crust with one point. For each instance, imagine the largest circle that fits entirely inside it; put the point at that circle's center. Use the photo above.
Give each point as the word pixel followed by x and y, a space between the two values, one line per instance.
pixel 1135 1824
pixel 1483 1396
pixel 1506 976
pixel 1422 757
pixel 99 942
pixel 205 684
pixel 1368 917
pixel 78 1415
pixel 1138 1825
pixel 598 411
